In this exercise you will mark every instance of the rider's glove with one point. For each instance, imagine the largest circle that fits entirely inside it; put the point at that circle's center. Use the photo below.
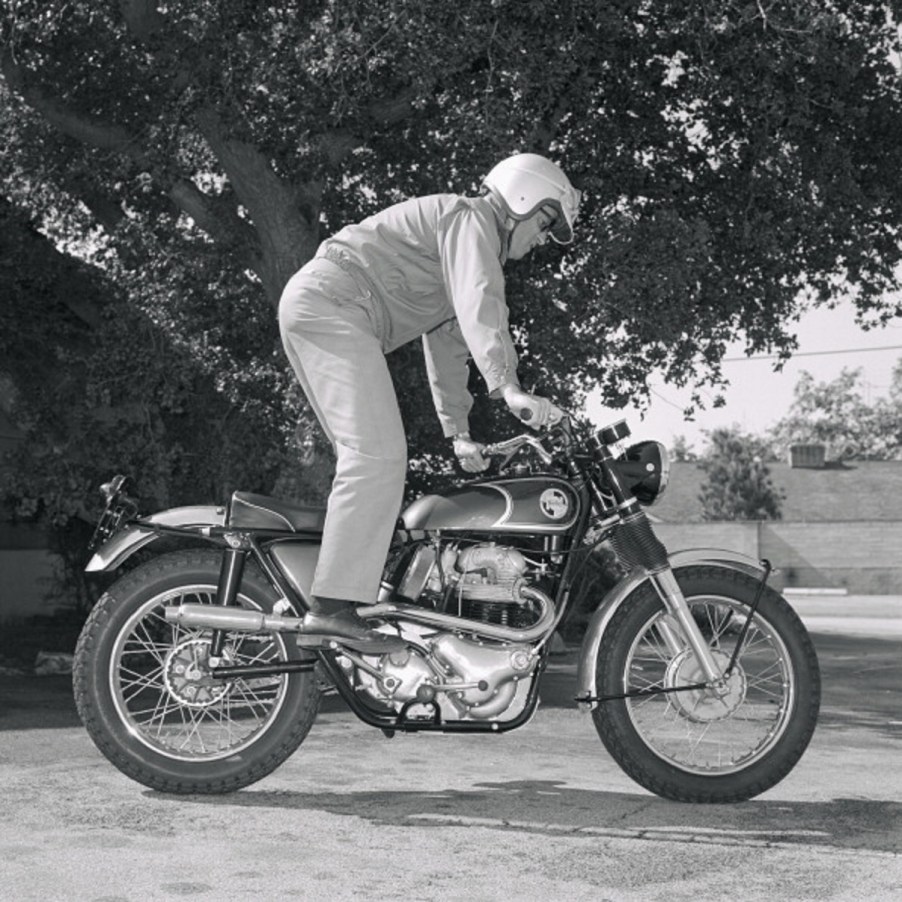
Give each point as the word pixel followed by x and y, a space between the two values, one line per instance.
pixel 469 453
pixel 536 412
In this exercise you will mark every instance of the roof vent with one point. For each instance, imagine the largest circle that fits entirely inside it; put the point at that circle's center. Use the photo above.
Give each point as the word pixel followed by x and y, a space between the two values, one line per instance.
pixel 811 456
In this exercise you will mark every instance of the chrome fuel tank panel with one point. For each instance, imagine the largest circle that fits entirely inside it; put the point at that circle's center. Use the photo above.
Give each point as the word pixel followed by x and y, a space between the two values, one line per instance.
pixel 538 504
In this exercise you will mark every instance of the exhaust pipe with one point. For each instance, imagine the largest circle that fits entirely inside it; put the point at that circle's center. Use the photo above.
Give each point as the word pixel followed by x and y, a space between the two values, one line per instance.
pixel 541 629
pixel 215 617
pixel 206 616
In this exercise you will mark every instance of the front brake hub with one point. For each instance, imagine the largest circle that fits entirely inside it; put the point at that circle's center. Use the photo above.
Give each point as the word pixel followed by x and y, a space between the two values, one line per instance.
pixel 704 705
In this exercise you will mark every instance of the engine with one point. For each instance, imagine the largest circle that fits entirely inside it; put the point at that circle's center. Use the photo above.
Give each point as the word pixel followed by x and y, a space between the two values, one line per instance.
pixel 467 656
pixel 479 582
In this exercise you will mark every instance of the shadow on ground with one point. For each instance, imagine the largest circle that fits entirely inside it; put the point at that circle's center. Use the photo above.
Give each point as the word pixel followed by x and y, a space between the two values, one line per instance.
pixel 555 809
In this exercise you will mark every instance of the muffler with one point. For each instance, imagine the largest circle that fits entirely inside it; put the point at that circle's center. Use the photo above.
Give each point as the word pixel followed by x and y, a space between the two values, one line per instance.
pixel 206 616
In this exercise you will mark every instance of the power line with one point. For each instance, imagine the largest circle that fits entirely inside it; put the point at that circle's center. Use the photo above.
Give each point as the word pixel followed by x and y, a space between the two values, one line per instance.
pixel 811 354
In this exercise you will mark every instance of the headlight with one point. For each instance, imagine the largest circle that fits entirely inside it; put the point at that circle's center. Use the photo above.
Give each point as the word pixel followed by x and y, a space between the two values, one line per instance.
pixel 646 466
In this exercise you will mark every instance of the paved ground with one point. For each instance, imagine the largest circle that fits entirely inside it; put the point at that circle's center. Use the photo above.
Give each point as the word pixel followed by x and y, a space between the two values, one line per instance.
pixel 539 814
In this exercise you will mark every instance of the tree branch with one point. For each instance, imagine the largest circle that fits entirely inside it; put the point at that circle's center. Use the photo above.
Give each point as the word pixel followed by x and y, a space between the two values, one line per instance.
pixel 221 224
pixel 82 128
pixel 219 221
pixel 337 143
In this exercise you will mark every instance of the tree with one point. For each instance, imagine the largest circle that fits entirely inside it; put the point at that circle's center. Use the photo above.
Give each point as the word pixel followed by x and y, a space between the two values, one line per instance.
pixel 737 484
pixel 835 414
pixel 738 160
pixel 99 388
pixel 682 450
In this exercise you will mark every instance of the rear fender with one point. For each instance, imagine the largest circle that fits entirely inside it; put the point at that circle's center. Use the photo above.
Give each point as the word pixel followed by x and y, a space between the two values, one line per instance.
pixel 588 659
pixel 134 536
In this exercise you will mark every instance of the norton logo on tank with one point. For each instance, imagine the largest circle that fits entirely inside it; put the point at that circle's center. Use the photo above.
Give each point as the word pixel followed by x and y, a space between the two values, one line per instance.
pixel 543 504
pixel 554 504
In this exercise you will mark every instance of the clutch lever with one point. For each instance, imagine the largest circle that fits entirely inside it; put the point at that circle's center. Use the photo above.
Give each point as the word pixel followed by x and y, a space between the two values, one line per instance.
pixel 509 447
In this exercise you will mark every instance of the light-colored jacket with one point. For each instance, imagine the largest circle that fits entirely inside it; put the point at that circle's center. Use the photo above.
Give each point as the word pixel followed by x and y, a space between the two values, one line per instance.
pixel 433 265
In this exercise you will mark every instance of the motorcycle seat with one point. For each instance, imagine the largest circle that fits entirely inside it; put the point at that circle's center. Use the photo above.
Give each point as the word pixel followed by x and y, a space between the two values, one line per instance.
pixel 250 511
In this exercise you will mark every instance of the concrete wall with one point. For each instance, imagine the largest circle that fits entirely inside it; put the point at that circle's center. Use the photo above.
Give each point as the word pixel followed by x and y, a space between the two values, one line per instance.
pixel 864 557
pixel 25 575
pixel 26 569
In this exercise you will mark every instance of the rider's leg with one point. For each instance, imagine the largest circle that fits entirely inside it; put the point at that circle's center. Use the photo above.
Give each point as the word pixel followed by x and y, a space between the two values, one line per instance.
pixel 338 359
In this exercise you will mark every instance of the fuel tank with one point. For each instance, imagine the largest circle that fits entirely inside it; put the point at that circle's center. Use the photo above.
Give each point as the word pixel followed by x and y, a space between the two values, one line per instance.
pixel 537 504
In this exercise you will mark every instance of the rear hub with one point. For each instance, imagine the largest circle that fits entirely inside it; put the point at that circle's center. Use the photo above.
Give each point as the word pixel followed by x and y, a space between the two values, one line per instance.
pixel 186 674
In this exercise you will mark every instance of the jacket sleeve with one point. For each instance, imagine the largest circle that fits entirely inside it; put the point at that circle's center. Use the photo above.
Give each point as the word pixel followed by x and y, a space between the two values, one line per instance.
pixel 470 249
pixel 447 357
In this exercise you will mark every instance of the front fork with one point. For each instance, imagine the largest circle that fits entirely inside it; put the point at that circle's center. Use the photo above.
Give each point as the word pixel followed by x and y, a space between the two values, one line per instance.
pixel 669 591
pixel 635 543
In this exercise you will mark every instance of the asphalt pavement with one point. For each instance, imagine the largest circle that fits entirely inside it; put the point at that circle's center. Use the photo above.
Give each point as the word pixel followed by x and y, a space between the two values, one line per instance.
pixel 542 813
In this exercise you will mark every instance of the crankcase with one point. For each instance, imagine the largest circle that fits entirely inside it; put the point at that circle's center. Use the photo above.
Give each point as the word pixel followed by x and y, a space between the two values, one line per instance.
pixel 489 675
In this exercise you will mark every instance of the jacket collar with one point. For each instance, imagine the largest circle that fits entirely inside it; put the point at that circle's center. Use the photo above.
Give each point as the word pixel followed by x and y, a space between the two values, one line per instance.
pixel 503 221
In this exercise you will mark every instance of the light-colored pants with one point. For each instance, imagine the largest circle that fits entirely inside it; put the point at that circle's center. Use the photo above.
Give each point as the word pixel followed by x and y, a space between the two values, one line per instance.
pixel 330 332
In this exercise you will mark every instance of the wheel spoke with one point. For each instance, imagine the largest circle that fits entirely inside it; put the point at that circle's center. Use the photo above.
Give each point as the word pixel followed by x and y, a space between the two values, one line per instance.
pixel 166 696
pixel 699 730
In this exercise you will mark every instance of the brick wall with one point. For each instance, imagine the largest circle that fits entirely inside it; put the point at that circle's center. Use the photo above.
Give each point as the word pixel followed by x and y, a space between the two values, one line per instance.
pixel 862 556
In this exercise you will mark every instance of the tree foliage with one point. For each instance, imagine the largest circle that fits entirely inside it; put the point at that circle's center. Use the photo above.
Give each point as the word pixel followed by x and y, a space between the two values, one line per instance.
pixel 737 484
pixel 837 415
pixel 739 161
pixel 100 388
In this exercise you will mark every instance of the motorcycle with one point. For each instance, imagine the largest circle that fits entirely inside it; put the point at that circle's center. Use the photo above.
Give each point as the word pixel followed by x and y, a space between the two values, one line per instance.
pixel 193 674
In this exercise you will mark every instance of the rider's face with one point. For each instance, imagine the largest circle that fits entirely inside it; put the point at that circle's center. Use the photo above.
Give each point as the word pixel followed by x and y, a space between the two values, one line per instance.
pixel 529 233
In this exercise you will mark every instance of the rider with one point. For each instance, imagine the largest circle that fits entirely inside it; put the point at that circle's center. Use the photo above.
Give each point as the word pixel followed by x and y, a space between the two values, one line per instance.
pixel 430 267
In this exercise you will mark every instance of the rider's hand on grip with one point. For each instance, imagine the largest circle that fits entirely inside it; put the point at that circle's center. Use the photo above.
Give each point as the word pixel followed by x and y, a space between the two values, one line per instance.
pixel 469 454
pixel 533 410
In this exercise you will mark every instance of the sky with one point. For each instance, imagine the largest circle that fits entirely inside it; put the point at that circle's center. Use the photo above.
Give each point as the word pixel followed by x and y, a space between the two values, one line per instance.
pixel 829 340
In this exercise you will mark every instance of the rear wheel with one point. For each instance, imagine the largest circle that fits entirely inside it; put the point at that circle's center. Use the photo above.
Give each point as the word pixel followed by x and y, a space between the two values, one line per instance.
pixel 144 691
pixel 698 745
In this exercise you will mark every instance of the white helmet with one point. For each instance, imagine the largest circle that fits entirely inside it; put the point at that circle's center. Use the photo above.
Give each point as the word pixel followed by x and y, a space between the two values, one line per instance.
pixel 526 182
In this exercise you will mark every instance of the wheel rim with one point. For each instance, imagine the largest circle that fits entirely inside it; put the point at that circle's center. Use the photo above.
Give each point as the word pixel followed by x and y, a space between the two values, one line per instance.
pixel 162 690
pixel 695 730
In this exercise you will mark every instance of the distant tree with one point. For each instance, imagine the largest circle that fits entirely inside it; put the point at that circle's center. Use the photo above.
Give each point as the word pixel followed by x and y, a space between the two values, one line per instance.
pixel 682 450
pixel 738 484
pixel 835 414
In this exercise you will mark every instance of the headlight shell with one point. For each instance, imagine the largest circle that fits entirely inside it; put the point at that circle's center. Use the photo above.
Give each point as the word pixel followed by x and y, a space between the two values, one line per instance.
pixel 652 473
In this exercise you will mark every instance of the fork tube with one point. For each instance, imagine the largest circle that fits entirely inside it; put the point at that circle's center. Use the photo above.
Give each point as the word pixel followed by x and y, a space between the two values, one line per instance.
pixel 669 590
pixel 670 636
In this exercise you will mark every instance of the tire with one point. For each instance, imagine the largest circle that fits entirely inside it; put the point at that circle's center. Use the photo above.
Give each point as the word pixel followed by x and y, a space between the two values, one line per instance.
pixel 691 746
pixel 142 694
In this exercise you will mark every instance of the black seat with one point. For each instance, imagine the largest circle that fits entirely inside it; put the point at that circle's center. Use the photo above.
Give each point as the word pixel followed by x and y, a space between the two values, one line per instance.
pixel 250 511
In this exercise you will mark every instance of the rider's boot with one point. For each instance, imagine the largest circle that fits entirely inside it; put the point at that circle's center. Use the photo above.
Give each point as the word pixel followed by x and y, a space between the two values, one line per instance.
pixel 334 620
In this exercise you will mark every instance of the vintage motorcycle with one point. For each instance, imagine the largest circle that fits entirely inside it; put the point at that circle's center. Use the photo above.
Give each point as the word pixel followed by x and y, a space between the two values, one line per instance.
pixel 192 673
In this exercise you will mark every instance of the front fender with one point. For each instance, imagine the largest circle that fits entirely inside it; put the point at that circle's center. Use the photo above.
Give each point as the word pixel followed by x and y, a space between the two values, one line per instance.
pixel 131 538
pixel 588 658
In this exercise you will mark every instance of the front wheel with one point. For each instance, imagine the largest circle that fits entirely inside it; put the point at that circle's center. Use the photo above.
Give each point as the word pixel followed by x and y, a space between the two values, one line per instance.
pixel 145 693
pixel 700 745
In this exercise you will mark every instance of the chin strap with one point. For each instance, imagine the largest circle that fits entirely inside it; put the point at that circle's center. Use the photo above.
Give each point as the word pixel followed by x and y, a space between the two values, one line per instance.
pixel 506 222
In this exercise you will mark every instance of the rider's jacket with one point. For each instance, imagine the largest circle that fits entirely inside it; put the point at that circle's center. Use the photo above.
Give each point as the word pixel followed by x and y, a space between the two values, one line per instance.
pixel 432 267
